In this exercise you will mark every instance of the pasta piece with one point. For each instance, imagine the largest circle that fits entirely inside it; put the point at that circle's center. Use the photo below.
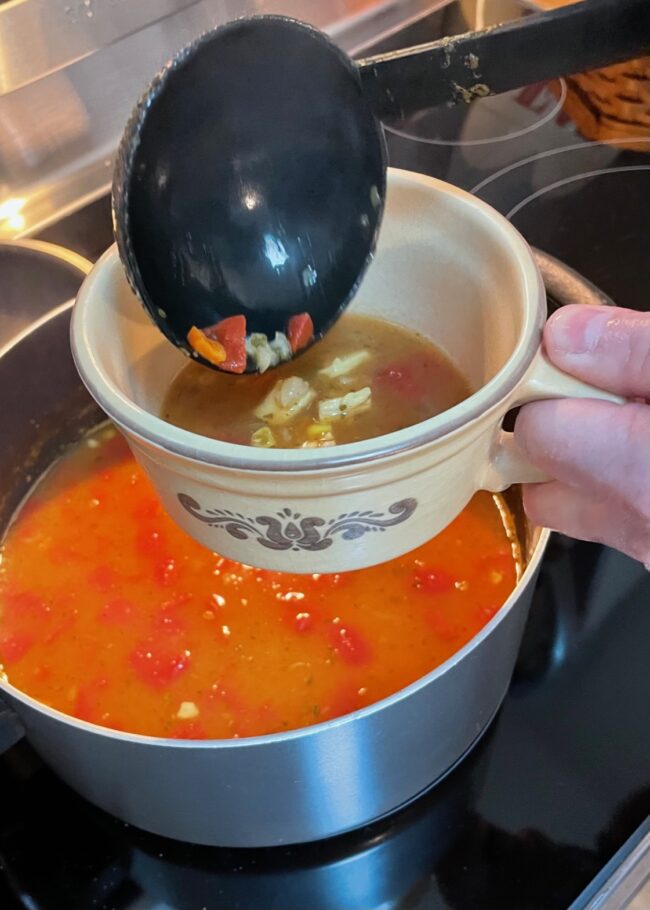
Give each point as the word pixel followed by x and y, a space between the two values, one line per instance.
pixel 265 353
pixel 281 347
pixel 287 398
pixel 346 406
pixel 342 365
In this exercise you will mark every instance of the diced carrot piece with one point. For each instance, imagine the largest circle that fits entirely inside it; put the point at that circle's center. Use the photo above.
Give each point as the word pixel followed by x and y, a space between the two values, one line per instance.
pixel 230 333
pixel 300 331
pixel 207 347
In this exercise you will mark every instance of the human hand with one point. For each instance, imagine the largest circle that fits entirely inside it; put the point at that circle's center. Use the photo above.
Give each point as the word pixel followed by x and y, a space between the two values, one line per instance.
pixel 597 453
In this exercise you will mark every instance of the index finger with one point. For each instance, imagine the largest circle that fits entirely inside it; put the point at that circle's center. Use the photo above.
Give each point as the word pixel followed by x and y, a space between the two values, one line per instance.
pixel 606 346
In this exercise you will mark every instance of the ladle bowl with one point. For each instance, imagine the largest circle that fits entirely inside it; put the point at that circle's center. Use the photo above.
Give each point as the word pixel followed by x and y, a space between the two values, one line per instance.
pixel 250 179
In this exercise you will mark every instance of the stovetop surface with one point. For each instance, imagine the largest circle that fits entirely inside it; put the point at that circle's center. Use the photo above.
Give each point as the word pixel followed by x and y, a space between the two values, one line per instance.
pixel 561 781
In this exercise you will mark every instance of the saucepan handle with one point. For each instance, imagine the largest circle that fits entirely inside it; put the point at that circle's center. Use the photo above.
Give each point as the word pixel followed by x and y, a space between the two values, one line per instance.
pixel 11 729
pixel 543 380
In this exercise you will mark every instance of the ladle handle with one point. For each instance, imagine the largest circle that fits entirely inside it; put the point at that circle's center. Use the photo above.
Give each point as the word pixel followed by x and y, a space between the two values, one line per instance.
pixel 583 36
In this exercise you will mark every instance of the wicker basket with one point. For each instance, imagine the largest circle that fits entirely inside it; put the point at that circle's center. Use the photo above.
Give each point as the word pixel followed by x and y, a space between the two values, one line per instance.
pixel 610 103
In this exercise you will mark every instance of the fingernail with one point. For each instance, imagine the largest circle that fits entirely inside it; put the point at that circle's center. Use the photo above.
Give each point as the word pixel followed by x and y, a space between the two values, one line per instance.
pixel 576 330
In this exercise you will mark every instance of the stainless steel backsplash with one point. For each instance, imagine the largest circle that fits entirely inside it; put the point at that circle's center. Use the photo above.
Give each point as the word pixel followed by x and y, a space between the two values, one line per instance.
pixel 71 70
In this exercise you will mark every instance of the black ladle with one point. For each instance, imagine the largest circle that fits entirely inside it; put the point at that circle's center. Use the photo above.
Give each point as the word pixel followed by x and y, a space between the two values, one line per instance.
pixel 251 176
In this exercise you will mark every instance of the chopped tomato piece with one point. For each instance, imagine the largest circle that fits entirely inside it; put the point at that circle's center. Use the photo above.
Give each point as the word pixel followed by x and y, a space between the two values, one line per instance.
pixel 300 331
pixel 42 672
pixel 226 697
pixel 484 612
pixel 168 620
pixel 344 701
pixel 149 542
pixel 301 616
pixel 13 647
pixel 86 706
pixel 399 377
pixel 117 612
pixel 61 627
pixel 433 581
pixel 165 572
pixel 103 578
pixel 349 645
pixel 25 604
pixel 231 335
pixel 62 554
pixel 207 347
pixel 157 665
pixel 445 629
pixel 178 599
pixel 147 508
pixel 501 562
pixel 327 581
pixel 303 621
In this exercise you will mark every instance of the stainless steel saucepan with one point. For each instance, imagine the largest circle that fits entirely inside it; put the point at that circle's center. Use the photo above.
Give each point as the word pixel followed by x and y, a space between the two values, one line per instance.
pixel 289 787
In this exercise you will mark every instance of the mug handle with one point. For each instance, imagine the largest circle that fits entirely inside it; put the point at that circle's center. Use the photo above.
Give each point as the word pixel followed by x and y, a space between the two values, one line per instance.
pixel 543 380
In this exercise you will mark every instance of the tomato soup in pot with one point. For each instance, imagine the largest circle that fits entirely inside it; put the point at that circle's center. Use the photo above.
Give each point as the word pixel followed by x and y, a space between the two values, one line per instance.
pixel 110 613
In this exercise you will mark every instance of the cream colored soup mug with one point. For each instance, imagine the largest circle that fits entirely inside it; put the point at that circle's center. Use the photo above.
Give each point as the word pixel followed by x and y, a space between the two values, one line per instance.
pixel 446 265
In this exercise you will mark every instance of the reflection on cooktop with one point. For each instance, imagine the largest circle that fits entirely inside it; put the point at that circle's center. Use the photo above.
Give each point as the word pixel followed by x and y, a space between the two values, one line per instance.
pixel 501 118
pixel 585 205
pixel 467 143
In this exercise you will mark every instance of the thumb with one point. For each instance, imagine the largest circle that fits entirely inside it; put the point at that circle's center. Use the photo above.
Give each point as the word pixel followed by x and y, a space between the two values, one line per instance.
pixel 606 346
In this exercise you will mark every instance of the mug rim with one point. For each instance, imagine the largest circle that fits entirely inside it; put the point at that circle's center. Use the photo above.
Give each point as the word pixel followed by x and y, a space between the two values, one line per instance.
pixel 153 430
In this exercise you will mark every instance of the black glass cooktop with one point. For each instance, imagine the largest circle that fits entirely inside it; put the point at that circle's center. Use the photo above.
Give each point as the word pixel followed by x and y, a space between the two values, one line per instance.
pixel 558 791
